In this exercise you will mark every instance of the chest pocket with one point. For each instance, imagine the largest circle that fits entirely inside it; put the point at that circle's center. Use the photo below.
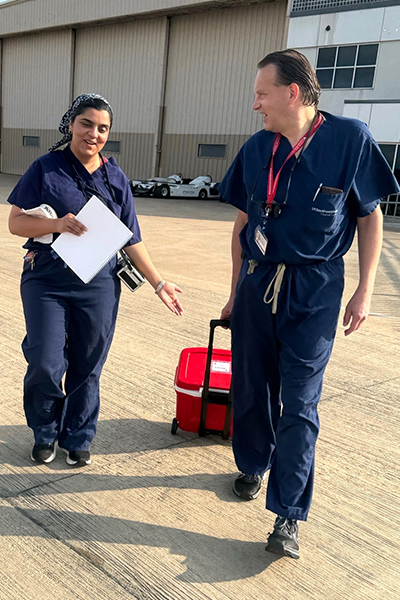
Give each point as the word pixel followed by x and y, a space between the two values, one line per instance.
pixel 324 212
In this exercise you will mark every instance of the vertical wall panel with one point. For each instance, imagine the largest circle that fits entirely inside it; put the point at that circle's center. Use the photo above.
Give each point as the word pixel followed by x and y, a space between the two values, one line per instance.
pixel 35 94
pixel 1 101
pixel 124 63
pixel 212 64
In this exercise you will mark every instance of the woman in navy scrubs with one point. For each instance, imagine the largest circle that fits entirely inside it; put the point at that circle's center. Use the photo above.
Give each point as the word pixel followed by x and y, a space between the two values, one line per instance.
pixel 70 325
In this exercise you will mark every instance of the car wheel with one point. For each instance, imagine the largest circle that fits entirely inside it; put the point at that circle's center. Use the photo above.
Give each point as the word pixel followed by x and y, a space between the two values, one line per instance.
pixel 163 191
pixel 203 194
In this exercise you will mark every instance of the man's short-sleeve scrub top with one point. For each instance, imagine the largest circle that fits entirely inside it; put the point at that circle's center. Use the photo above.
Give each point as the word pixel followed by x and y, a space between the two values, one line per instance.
pixel 313 227
pixel 51 180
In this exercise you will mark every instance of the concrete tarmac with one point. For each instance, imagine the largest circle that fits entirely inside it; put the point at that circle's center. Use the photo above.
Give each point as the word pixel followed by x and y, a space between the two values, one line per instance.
pixel 153 517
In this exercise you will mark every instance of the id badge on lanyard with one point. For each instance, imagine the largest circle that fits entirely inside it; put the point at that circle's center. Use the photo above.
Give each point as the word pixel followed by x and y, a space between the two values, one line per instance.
pixel 260 239
pixel 259 236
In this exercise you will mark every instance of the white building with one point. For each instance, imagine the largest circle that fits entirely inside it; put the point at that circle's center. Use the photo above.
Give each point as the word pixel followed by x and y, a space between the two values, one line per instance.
pixel 354 46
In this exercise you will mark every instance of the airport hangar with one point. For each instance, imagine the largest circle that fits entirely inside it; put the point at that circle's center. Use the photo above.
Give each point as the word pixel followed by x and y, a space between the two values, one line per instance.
pixel 178 74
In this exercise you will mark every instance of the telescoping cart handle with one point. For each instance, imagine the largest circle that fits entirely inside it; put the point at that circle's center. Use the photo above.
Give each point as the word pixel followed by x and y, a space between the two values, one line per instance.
pixel 205 395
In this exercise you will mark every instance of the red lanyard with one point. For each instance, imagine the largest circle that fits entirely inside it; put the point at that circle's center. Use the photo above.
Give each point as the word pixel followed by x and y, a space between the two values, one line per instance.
pixel 273 183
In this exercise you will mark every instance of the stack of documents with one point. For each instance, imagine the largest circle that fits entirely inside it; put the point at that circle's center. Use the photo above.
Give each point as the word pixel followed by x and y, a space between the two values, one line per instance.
pixel 88 253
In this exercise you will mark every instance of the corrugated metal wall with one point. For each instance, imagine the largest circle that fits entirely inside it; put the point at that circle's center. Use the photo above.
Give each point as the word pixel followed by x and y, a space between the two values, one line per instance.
pixel 124 63
pixel 212 65
pixel 212 58
pixel 1 96
pixel 35 94
pixel 28 15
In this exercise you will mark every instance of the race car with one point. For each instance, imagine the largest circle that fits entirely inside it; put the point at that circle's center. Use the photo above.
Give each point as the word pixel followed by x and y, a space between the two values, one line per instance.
pixel 158 186
pixel 176 186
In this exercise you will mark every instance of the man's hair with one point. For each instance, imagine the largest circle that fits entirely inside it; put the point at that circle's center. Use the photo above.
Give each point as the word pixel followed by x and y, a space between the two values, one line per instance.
pixel 294 67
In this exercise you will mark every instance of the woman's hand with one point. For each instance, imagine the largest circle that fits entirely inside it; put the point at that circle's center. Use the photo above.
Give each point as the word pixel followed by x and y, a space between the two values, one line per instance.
pixel 70 224
pixel 168 296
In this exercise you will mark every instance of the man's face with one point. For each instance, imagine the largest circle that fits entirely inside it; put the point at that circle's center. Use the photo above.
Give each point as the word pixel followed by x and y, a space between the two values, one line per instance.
pixel 271 101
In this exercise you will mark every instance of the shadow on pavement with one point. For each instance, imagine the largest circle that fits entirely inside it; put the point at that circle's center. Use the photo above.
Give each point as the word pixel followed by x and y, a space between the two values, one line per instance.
pixel 207 558
pixel 114 436
pixel 81 481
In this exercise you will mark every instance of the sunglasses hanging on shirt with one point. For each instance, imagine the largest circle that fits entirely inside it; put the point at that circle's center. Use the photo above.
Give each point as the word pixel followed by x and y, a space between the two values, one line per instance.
pixel 270 208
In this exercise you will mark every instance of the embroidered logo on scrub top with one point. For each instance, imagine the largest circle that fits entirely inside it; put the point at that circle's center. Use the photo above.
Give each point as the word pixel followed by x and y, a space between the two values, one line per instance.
pixel 323 212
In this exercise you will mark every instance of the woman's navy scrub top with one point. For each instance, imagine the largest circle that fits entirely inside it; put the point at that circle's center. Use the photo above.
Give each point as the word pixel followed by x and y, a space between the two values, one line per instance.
pixel 51 180
pixel 278 360
pixel 69 324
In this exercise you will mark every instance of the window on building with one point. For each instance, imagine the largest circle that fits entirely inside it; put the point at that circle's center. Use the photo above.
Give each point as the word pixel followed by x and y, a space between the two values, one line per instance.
pixel 211 150
pixel 112 146
pixel 391 204
pixel 31 140
pixel 347 67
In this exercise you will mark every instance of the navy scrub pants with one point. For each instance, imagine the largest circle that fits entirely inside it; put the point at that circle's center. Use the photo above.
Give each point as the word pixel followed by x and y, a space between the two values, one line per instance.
pixel 278 362
pixel 70 326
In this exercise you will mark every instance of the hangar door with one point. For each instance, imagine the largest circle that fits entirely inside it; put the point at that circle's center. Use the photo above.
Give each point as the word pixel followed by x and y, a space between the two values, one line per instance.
pixel 130 58
pixel 36 92
pixel 212 61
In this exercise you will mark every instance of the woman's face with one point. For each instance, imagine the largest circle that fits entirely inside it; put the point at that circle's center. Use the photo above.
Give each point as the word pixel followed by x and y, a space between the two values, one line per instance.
pixel 90 132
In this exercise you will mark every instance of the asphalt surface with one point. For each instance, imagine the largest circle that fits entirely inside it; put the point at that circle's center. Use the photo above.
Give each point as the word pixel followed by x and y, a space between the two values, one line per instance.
pixel 154 517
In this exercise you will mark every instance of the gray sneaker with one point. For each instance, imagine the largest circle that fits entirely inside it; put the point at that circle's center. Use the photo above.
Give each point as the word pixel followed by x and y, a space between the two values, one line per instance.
pixel 248 487
pixel 78 458
pixel 284 540
pixel 43 453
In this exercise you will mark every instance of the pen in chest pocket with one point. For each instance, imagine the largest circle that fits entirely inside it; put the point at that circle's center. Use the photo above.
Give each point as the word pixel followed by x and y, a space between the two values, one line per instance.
pixel 317 192
pixel 322 189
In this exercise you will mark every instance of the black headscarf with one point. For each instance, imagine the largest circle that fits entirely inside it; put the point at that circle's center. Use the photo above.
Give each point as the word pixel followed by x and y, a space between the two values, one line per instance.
pixel 65 121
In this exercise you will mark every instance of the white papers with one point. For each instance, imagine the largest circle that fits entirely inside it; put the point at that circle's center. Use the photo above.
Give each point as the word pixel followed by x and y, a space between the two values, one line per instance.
pixel 44 211
pixel 87 254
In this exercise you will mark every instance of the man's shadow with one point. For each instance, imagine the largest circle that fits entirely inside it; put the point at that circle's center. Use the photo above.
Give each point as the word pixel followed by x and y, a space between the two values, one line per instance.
pixel 208 559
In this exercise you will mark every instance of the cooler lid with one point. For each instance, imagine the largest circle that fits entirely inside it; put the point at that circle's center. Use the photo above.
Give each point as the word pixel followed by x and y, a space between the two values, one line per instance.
pixel 192 365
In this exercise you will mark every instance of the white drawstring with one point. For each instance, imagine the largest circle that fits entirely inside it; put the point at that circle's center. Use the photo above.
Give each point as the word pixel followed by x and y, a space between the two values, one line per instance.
pixel 276 282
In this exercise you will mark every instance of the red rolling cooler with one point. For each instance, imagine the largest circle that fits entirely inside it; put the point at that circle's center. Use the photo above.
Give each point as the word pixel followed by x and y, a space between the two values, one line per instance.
pixel 202 384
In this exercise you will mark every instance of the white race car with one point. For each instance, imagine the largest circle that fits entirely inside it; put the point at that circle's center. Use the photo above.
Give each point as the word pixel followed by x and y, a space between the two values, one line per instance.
pixel 201 187
pixel 177 187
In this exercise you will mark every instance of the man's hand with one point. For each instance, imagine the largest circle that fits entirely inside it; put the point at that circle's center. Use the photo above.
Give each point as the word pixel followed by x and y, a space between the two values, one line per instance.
pixel 369 248
pixel 357 311
pixel 236 253
pixel 227 310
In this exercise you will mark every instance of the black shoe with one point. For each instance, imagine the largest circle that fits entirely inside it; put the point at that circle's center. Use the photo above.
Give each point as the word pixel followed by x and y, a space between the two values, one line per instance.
pixel 284 540
pixel 45 453
pixel 79 458
pixel 248 487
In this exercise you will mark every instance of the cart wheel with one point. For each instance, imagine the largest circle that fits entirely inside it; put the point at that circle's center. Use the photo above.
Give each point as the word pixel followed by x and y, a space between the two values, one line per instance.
pixel 174 426
pixel 203 194
pixel 202 431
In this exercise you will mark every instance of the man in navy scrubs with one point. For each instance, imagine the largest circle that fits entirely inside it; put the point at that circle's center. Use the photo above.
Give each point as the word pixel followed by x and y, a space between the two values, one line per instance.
pixel 303 185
